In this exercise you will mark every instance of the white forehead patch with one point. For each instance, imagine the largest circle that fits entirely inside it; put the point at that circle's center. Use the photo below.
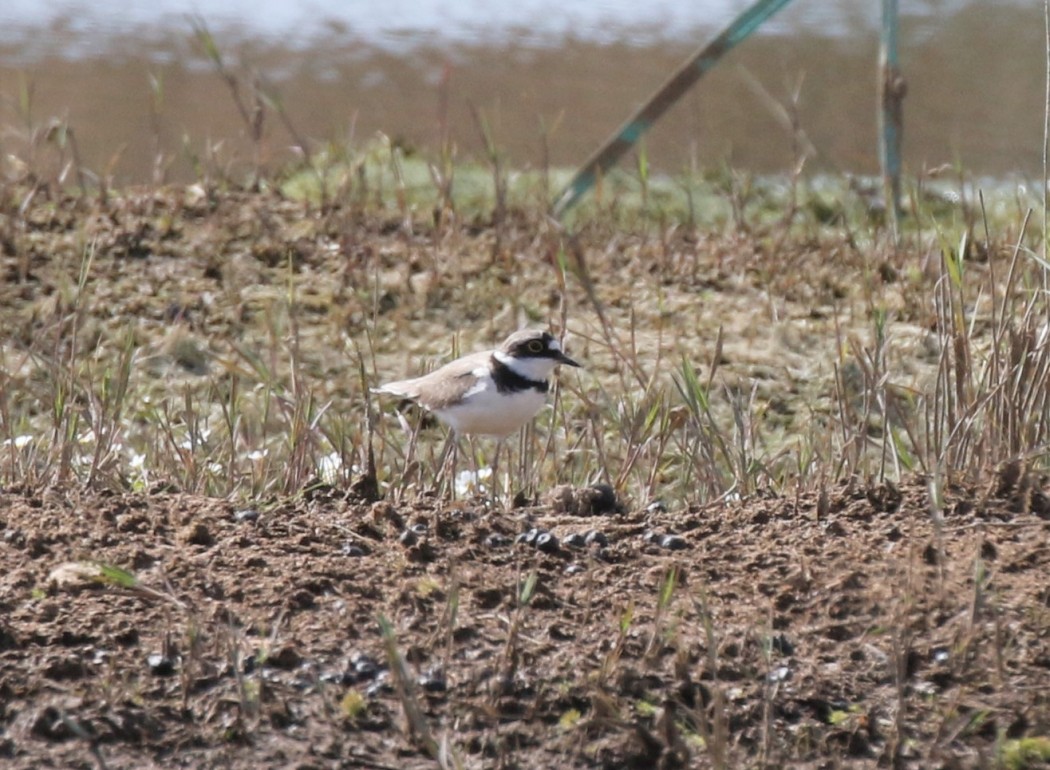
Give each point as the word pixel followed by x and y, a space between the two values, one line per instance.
pixel 554 345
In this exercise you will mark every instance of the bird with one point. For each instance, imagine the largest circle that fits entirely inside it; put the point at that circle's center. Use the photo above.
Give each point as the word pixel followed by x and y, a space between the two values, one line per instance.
pixel 491 392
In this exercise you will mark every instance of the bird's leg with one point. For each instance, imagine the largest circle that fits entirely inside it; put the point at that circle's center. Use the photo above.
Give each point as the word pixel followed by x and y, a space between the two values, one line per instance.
pixel 412 466
pixel 447 458
pixel 525 467
pixel 496 486
pixel 474 469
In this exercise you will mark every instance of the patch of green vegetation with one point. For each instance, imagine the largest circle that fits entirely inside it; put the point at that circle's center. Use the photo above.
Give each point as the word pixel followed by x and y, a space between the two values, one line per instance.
pixel 569 719
pixel 116 576
pixel 427 587
pixel 694 740
pixel 353 705
pixel 645 709
pixel 1026 753
pixel 838 717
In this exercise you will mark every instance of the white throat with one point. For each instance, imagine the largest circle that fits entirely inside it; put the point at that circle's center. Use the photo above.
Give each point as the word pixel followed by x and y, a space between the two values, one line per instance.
pixel 535 369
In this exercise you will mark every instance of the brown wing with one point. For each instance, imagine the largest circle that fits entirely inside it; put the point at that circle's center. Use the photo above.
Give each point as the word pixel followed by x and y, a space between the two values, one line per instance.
pixel 441 387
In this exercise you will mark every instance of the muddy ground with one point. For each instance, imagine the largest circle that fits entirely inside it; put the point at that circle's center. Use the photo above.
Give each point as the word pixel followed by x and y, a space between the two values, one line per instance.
pixel 834 630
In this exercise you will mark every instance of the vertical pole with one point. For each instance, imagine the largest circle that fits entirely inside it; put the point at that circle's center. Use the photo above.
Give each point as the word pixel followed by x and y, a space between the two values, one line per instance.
pixel 891 114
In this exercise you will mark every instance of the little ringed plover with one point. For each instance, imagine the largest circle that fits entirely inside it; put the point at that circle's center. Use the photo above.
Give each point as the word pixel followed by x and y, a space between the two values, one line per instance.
pixel 490 393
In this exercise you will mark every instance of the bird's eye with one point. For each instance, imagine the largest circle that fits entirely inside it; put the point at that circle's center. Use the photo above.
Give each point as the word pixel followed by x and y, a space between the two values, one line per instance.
pixel 535 346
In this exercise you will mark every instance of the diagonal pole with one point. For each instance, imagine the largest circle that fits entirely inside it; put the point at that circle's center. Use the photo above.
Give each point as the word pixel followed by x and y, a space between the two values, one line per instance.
pixel 670 92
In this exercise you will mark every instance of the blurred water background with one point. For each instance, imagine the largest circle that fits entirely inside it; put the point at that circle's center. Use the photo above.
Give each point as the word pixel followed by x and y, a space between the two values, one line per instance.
pixel 551 80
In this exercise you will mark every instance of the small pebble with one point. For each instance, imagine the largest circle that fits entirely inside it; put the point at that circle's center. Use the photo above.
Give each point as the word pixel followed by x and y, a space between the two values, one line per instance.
pixel 546 542
pixel 433 680
pixel 246 514
pixel 305 678
pixel 528 538
pixel 336 677
pixel 364 666
pixel 380 686
pixel 596 537
pixel 574 569
pixel 160 665
pixel 575 540
pixel 674 542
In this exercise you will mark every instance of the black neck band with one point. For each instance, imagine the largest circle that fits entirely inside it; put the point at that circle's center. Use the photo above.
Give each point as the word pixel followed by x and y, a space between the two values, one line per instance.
pixel 509 381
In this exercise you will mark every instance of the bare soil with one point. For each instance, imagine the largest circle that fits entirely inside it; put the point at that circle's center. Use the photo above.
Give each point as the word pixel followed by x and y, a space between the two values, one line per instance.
pixel 858 626
pixel 841 629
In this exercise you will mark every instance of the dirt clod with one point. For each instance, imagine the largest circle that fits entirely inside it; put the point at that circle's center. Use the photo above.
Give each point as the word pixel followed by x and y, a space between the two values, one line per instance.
pixel 196 533
pixel 595 500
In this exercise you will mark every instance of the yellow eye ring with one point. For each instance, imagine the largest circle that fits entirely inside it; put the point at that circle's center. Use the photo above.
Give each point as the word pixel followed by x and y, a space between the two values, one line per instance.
pixel 535 346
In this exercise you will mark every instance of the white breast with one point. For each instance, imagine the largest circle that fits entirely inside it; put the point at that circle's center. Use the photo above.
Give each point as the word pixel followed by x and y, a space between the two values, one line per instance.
pixel 487 412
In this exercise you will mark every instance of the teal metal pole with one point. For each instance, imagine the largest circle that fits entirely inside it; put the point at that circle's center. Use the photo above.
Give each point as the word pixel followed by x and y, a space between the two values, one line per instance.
pixel 670 92
pixel 891 113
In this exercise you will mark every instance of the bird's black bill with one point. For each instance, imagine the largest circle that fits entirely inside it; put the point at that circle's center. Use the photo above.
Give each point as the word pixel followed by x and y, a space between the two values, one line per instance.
pixel 561 358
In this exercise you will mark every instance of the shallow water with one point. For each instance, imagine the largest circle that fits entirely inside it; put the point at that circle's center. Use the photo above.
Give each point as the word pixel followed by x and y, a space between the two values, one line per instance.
pixel 551 81
pixel 400 24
